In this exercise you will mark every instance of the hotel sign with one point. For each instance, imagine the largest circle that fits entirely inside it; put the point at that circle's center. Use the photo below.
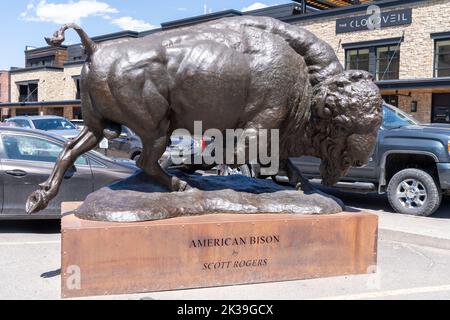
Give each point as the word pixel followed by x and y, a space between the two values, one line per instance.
pixel 383 20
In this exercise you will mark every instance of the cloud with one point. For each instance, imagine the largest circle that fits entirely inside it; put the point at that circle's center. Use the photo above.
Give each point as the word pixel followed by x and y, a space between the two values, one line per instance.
pixel 255 6
pixel 182 9
pixel 129 23
pixel 60 13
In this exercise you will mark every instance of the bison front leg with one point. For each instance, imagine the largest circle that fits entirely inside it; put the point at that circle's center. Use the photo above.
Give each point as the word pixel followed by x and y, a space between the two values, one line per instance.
pixel 297 179
pixel 86 141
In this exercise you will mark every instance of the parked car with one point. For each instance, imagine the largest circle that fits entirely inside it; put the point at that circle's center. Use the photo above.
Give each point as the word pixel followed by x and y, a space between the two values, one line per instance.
pixel 27 158
pixel 129 146
pixel 410 163
pixel 8 124
pixel 78 123
pixel 57 125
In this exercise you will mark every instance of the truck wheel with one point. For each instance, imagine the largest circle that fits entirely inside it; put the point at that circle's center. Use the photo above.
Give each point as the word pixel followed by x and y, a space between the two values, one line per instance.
pixel 414 192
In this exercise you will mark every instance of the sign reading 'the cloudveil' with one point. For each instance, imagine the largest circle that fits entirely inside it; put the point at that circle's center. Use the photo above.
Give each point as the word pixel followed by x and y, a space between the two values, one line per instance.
pixel 384 20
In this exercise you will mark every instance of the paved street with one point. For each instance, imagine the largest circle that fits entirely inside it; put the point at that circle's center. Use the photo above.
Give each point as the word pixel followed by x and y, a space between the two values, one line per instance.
pixel 30 253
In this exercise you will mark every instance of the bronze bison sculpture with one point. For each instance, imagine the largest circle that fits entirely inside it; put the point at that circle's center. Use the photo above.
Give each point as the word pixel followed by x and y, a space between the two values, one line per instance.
pixel 247 72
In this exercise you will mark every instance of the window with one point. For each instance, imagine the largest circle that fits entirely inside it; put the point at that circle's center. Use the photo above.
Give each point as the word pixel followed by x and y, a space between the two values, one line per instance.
pixel 41 62
pixel 78 86
pixel 27 112
pixel 21 123
pixel 53 124
pixel 391 99
pixel 388 63
pixel 442 58
pixel 358 59
pixel 383 62
pixel 396 119
pixel 28 148
pixel 28 92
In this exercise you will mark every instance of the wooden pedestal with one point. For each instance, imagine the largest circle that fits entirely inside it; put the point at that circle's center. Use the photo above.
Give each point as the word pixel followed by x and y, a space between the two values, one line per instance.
pixel 100 258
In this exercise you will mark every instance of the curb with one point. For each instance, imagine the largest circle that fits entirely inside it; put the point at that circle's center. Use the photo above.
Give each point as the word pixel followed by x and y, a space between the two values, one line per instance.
pixel 414 238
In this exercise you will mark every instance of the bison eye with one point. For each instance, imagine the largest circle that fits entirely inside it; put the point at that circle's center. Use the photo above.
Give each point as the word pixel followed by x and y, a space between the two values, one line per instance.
pixel 347 161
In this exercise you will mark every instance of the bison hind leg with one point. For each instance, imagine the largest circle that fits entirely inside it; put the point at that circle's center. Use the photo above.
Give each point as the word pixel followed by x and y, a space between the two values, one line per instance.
pixel 149 162
pixel 112 131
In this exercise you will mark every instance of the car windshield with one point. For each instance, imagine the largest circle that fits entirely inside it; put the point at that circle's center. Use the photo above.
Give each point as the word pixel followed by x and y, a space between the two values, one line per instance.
pixel 395 118
pixel 53 124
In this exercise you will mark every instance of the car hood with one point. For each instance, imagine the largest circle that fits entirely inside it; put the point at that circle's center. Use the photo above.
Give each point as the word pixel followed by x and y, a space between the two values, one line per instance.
pixel 438 128
pixel 68 134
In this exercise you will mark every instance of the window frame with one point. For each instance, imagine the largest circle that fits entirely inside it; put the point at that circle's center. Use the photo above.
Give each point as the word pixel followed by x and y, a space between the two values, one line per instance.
pixel 31 97
pixel 436 58
pixel 77 80
pixel 374 59
pixel 4 157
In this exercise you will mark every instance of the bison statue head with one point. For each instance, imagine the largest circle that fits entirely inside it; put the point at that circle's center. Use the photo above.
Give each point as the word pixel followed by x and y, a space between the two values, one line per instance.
pixel 346 113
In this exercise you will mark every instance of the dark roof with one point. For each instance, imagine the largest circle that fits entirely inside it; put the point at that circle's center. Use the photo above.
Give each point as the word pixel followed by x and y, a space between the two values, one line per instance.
pixel 414 83
pixel 200 19
pixel 116 35
pixel 338 11
pixel 47 68
pixel 41 103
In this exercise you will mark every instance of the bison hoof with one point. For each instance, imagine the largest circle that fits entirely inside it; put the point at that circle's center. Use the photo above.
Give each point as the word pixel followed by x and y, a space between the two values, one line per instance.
pixel 306 187
pixel 36 202
pixel 181 186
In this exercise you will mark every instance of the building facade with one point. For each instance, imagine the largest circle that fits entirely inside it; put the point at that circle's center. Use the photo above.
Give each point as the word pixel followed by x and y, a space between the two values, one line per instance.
pixel 406 48
pixel 4 91
pixel 409 56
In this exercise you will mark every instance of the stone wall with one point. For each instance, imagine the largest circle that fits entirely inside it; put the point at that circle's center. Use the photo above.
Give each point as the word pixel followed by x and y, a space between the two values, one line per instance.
pixel 417 49
pixel 53 85
pixel 70 87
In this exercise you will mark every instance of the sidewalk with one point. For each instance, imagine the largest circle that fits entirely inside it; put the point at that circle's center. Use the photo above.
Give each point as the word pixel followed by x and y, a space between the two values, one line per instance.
pixel 430 232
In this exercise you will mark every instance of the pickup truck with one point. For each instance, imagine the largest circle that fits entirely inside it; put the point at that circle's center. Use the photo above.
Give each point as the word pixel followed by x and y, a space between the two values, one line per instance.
pixel 410 163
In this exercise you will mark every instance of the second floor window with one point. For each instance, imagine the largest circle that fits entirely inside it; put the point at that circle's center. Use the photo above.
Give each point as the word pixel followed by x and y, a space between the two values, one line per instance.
pixel 388 63
pixel 28 92
pixel 383 62
pixel 78 86
pixel 442 58
pixel 41 62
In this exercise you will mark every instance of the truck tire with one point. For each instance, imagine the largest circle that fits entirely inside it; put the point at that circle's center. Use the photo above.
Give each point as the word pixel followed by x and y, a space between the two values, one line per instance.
pixel 414 192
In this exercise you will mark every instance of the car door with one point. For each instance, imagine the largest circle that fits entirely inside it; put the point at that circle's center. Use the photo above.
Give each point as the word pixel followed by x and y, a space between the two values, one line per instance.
pixel 28 161
pixel 310 167
pixel 1 187
pixel 368 172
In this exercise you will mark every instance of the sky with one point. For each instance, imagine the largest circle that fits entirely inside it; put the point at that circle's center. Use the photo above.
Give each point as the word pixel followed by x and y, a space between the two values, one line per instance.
pixel 26 22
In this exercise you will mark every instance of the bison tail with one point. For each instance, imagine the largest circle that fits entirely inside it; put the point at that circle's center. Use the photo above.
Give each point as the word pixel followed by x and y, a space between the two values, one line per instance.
pixel 59 37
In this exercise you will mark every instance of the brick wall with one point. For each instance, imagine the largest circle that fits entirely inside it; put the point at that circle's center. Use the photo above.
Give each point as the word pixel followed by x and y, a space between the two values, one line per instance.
pixel 424 101
pixel 4 86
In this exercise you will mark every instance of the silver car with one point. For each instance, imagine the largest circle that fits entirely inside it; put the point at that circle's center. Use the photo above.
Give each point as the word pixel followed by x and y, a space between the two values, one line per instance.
pixel 53 124
pixel 27 158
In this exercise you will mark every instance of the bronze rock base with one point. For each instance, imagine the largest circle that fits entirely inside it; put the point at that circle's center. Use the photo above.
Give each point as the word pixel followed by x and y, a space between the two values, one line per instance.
pixel 138 199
